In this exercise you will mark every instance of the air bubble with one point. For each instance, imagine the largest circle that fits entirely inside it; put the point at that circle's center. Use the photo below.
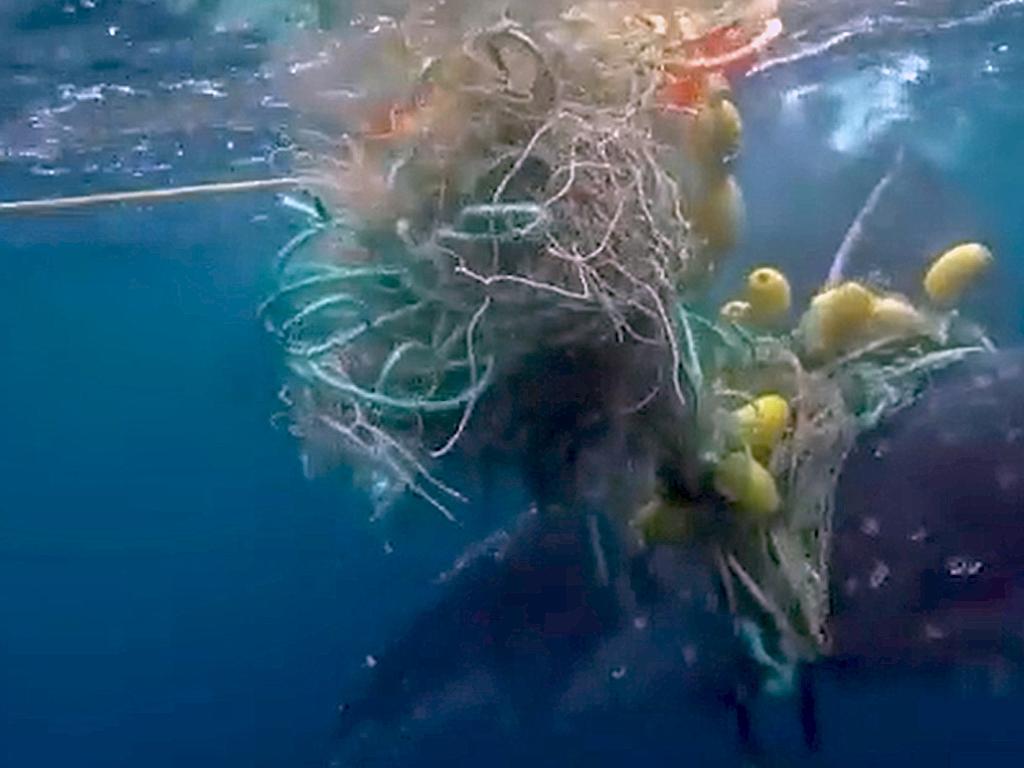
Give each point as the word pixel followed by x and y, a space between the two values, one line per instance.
pixel 879 575
pixel 960 566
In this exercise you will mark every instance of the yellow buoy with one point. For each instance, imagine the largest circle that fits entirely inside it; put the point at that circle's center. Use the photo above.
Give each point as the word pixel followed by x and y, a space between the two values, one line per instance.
pixel 895 317
pixel 747 484
pixel 735 311
pixel 762 423
pixel 660 522
pixel 717 87
pixel 837 317
pixel 717 131
pixel 768 294
pixel 718 217
pixel 951 274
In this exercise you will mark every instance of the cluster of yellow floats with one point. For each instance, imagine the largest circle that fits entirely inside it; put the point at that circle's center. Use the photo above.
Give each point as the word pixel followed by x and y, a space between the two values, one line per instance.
pixel 839 318
pixel 716 136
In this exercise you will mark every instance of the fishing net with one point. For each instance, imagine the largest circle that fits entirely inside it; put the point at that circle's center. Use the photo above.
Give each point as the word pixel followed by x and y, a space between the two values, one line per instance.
pixel 777 575
pixel 505 186
pixel 527 187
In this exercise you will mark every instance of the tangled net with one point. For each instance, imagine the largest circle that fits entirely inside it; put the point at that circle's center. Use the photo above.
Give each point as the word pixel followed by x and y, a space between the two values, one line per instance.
pixel 776 575
pixel 524 187
pixel 511 194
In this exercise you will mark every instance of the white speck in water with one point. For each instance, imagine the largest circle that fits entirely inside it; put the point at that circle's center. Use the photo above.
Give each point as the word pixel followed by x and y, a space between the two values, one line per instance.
pixel 230 145
pixel 932 632
pixel 640 622
pixel 112 30
pixel 961 566
pixel 919 535
pixel 879 575
pixel 371 661
pixel 794 95
pixel 47 170
pixel 270 102
pixel 1007 477
pixel 618 673
pixel 301 66
pixel 389 548
pixel 870 526
pixel 851 586
pixel 948 437
pixel 690 655
pixel 1002 48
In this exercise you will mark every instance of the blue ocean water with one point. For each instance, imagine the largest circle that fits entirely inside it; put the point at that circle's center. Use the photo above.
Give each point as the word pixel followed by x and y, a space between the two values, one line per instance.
pixel 172 589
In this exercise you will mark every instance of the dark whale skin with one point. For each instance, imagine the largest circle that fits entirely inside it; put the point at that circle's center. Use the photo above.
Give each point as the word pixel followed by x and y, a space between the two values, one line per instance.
pixel 543 640
pixel 929 546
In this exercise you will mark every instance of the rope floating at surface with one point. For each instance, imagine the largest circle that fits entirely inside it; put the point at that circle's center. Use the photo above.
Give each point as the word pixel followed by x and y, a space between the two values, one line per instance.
pixel 143 195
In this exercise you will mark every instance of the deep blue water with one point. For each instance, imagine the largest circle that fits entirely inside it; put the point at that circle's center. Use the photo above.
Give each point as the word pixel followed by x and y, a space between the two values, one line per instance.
pixel 173 591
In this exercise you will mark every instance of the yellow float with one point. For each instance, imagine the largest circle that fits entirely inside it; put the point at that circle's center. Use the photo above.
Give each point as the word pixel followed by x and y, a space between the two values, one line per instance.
pixel 747 484
pixel 895 317
pixel 660 522
pixel 717 132
pixel 837 317
pixel 768 294
pixel 718 217
pixel 954 271
pixel 762 423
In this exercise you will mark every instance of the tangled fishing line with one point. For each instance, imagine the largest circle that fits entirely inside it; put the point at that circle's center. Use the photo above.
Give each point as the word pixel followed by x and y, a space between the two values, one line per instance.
pixel 521 207
pixel 532 186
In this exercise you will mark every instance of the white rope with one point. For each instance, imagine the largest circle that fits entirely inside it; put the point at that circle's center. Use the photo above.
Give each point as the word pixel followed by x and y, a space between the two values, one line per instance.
pixel 853 236
pixel 143 195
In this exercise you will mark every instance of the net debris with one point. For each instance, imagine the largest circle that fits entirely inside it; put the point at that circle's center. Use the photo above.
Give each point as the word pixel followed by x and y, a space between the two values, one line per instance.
pixel 522 182
pixel 564 178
